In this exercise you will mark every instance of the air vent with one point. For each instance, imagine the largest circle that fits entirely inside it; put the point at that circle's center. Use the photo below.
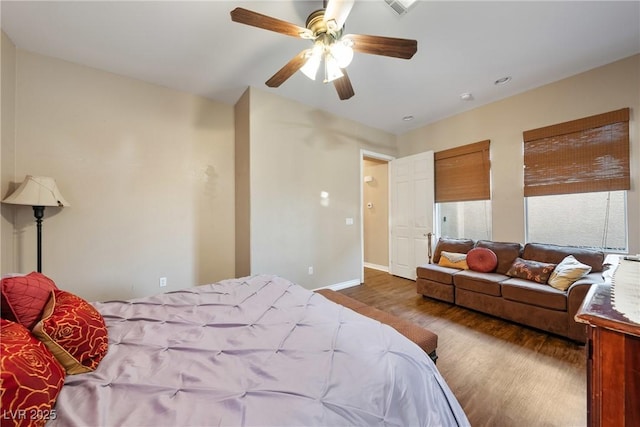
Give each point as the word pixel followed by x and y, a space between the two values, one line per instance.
pixel 400 6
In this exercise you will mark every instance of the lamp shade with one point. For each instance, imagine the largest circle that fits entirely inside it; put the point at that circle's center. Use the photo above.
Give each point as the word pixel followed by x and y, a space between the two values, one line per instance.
pixel 37 191
pixel 314 56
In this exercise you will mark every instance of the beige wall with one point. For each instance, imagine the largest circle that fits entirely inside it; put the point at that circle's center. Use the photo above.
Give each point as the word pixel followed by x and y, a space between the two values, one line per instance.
pixel 148 172
pixel 297 152
pixel 376 217
pixel 243 188
pixel 7 150
pixel 603 89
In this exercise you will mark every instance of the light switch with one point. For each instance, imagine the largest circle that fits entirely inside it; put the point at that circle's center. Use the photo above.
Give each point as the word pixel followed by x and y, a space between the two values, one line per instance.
pixel 349 221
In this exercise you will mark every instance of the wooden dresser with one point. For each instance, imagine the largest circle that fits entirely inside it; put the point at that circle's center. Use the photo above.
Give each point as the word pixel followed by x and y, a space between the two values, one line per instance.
pixel 613 364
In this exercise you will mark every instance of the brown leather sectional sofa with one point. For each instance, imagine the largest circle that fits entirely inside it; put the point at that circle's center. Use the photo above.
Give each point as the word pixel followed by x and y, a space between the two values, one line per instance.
pixel 519 300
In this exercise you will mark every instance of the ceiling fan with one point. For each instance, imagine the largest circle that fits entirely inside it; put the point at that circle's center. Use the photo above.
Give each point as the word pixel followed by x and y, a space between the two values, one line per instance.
pixel 331 47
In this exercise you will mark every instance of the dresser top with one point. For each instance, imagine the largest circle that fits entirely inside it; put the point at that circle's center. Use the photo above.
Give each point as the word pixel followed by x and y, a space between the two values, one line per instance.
pixel 597 310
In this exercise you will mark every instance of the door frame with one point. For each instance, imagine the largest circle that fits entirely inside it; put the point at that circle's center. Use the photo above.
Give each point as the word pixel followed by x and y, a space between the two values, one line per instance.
pixel 379 156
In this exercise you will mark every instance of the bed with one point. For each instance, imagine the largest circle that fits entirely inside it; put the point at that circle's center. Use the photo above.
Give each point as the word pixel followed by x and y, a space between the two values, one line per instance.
pixel 254 351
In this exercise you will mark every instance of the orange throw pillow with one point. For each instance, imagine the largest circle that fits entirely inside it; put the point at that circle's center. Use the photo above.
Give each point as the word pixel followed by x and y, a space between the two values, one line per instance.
pixel 74 331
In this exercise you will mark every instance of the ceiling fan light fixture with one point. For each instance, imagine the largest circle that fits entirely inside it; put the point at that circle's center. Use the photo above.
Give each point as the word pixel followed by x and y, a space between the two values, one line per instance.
pixel 310 68
pixel 342 52
pixel 332 26
pixel 325 28
pixel 332 70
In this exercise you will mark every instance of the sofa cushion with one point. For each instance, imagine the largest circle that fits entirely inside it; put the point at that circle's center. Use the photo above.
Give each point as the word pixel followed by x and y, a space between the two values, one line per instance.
pixel 568 271
pixel 506 253
pixel 453 260
pixel 533 293
pixel 554 254
pixel 440 291
pixel 531 270
pixel 484 283
pixel 437 273
pixel 483 260
pixel 451 245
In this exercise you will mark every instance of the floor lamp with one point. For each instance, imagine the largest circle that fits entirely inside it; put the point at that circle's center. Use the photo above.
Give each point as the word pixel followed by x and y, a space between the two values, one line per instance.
pixel 38 192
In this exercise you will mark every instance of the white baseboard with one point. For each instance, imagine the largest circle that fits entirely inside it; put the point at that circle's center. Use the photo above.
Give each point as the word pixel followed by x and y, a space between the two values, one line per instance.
pixel 384 268
pixel 343 285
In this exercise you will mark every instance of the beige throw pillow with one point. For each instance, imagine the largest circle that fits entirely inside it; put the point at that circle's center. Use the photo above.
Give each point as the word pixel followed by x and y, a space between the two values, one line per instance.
pixel 568 271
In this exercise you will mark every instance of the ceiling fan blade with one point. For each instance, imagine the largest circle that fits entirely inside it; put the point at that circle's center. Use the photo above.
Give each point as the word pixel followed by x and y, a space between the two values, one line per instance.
pixel 338 10
pixel 343 86
pixel 255 19
pixel 386 46
pixel 288 70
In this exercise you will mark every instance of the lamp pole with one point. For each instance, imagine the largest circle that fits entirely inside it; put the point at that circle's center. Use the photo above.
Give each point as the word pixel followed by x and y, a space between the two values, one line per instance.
pixel 38 212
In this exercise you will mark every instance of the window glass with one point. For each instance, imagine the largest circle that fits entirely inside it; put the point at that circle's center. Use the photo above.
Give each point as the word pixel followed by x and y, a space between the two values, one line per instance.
pixel 469 220
pixel 593 220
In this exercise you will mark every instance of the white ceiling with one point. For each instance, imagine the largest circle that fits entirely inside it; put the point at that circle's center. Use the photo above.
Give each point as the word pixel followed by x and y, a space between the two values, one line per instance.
pixel 462 47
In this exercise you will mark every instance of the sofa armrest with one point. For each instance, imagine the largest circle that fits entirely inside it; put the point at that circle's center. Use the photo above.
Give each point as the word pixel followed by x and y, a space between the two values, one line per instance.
pixel 575 296
pixel 576 293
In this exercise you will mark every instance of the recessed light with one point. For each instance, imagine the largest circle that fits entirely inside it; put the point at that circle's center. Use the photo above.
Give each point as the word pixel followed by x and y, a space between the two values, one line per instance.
pixel 502 80
pixel 407 118
pixel 466 96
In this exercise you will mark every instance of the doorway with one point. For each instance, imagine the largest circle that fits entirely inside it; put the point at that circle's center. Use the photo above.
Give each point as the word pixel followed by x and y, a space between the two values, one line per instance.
pixel 374 213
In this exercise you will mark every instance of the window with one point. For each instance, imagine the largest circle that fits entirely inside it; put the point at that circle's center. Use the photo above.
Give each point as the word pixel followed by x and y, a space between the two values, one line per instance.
pixel 471 220
pixel 462 191
pixel 575 181
pixel 593 220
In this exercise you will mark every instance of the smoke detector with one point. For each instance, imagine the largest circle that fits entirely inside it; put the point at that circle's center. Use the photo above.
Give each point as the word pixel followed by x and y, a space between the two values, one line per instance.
pixel 467 96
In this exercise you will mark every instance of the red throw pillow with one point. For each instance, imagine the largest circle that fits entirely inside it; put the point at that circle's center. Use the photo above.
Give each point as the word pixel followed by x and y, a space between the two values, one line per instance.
pixel 482 259
pixel 74 331
pixel 31 377
pixel 24 297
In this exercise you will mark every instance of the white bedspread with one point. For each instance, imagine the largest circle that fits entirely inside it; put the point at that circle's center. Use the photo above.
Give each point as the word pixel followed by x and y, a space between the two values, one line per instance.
pixel 256 351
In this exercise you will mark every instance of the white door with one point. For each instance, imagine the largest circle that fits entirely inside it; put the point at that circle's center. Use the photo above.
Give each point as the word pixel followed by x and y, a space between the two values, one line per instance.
pixel 412 201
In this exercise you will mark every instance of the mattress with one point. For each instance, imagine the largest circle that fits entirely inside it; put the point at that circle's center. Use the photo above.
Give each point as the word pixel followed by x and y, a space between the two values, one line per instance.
pixel 254 351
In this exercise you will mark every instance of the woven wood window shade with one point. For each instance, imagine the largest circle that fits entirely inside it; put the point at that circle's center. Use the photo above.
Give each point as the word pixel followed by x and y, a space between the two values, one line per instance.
pixel 463 173
pixel 580 156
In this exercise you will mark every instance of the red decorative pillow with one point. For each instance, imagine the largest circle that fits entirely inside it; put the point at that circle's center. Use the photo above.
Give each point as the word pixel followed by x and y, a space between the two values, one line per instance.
pixel 24 297
pixel 31 377
pixel 74 331
pixel 531 270
pixel 483 260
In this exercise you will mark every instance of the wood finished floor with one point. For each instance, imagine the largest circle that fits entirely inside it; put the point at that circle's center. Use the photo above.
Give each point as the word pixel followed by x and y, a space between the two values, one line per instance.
pixel 502 374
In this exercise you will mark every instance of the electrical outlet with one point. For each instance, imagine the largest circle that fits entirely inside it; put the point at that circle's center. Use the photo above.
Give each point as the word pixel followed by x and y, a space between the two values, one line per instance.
pixel 163 282
pixel 310 270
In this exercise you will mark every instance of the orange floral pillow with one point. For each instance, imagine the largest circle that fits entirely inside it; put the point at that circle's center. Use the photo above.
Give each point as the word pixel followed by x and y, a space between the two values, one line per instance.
pixel 31 377
pixel 74 331
pixel 531 270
